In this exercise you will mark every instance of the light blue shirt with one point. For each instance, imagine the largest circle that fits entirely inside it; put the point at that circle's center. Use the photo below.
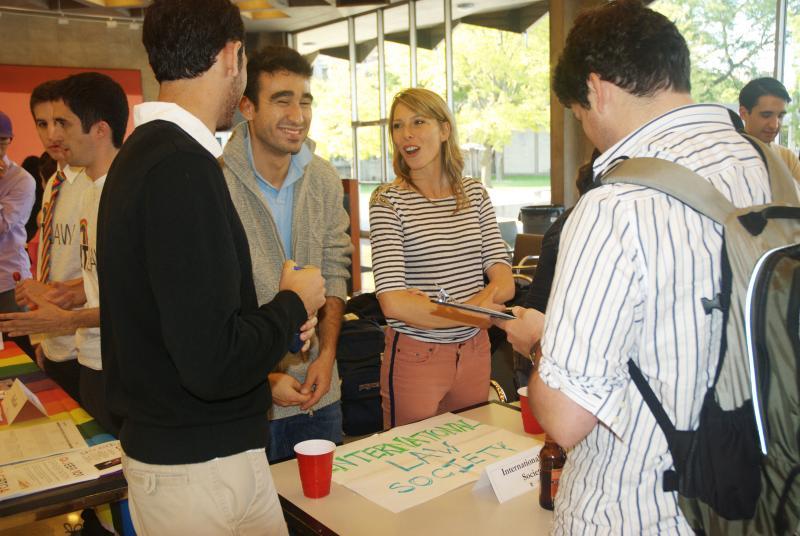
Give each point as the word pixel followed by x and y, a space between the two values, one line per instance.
pixel 17 190
pixel 281 201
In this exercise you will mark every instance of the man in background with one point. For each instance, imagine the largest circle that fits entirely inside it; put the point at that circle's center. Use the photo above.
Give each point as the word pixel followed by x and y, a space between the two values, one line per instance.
pixel 17 192
pixel 58 257
pixel 762 105
pixel 290 203
pixel 90 117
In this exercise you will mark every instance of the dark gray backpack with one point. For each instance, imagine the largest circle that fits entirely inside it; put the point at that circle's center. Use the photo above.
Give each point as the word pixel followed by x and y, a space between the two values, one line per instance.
pixel 738 472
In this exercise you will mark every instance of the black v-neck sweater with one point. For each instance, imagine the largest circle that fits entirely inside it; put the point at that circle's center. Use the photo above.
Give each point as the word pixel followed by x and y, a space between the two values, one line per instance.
pixel 186 349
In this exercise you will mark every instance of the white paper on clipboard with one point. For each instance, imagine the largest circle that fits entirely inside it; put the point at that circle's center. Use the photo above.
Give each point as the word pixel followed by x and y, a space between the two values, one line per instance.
pixel 476 309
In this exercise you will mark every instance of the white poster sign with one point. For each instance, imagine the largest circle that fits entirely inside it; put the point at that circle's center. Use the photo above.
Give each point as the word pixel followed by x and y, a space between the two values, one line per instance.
pixel 415 463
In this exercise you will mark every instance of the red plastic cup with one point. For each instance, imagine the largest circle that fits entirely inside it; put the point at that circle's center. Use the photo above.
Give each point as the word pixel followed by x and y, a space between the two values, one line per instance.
pixel 529 422
pixel 315 461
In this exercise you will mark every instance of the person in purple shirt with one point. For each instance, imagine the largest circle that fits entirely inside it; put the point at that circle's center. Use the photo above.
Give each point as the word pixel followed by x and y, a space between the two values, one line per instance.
pixel 17 192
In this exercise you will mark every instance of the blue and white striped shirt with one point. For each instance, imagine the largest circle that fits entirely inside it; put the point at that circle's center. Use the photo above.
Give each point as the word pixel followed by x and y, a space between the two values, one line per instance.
pixel 633 267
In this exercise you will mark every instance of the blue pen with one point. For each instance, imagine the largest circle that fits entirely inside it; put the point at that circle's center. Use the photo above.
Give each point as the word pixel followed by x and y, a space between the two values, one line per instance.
pixel 297 344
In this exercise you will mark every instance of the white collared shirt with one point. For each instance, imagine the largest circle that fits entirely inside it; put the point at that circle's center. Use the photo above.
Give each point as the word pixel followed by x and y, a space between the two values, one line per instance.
pixel 189 123
pixel 633 266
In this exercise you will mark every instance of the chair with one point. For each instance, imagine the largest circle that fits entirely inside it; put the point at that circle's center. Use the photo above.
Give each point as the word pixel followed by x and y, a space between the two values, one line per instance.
pixel 508 232
pixel 527 249
pixel 496 392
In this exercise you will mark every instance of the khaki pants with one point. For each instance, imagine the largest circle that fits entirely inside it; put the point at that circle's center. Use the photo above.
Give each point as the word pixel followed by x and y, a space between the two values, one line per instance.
pixel 234 495
pixel 423 379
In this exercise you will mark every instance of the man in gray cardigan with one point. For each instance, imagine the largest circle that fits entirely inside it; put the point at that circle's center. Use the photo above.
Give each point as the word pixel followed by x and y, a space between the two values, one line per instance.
pixel 290 204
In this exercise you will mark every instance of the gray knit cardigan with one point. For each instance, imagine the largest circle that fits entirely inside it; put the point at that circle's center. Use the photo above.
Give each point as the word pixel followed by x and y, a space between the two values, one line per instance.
pixel 319 238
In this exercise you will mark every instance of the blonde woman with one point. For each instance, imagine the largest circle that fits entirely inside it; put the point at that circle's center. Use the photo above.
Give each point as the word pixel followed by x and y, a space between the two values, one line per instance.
pixel 432 229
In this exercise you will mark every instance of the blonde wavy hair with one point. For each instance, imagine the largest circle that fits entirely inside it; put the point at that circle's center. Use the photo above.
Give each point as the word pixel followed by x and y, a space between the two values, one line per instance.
pixel 428 104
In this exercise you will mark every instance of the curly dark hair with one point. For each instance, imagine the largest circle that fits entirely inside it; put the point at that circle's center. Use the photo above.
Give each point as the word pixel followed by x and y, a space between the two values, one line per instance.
pixel 183 37
pixel 95 97
pixel 627 44
pixel 272 59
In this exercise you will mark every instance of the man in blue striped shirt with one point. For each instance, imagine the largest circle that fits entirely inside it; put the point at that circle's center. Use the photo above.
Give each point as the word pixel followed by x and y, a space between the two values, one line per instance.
pixel 633 267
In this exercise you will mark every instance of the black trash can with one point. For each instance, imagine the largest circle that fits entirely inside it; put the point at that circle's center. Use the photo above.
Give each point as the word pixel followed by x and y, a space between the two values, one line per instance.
pixel 538 219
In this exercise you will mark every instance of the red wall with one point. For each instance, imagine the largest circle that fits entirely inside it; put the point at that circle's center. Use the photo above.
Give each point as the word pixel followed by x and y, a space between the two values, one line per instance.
pixel 16 84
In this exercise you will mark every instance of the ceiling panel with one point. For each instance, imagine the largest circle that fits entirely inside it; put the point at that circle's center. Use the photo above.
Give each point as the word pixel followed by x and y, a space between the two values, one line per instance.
pixel 290 15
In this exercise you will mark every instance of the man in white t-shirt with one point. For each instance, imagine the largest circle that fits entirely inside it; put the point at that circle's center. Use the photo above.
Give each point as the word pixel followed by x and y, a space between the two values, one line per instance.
pixel 762 105
pixel 59 274
pixel 90 118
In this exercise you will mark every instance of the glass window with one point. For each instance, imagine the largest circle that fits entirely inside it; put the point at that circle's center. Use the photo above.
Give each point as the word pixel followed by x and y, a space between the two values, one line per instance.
pixel 731 42
pixel 396 51
pixel 431 65
pixel 790 136
pixel 330 126
pixel 326 47
pixel 367 67
pixel 369 168
pixel 502 107
pixel 369 154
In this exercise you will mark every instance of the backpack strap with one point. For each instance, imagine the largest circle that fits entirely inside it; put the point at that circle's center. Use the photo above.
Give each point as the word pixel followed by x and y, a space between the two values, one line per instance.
pixel 651 399
pixel 670 478
pixel 781 183
pixel 674 180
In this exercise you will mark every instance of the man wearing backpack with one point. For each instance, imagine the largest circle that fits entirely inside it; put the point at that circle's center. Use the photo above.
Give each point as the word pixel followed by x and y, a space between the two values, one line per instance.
pixel 633 268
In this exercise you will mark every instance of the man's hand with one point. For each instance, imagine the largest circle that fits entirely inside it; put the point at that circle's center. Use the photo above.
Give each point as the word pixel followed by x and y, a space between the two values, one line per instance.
pixel 67 294
pixel 45 318
pixel 318 380
pixel 27 288
pixel 307 333
pixel 307 283
pixel 286 390
pixel 524 331
pixel 38 351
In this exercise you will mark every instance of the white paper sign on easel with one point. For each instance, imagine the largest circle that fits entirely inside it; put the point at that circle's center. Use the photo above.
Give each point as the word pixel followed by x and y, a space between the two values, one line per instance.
pixel 512 476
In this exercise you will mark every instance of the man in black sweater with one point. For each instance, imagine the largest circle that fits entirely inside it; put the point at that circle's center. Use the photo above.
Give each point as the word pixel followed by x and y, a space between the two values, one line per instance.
pixel 185 346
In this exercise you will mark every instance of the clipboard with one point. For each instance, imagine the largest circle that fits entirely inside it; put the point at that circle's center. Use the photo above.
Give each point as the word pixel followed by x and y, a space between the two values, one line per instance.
pixel 475 309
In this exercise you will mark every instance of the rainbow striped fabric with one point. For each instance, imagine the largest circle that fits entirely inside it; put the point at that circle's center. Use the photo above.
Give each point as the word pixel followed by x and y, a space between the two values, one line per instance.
pixel 14 363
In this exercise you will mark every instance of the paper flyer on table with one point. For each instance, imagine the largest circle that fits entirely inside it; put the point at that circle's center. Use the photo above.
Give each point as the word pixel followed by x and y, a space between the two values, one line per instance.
pixel 46 473
pixel 105 457
pixel 60 470
pixel 415 463
pixel 39 440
